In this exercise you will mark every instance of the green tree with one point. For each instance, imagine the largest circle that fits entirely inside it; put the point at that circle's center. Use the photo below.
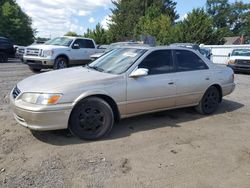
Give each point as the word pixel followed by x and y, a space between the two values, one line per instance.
pixel 99 34
pixel 198 28
pixel 71 34
pixel 127 14
pixel 156 24
pixel 15 24
pixel 229 19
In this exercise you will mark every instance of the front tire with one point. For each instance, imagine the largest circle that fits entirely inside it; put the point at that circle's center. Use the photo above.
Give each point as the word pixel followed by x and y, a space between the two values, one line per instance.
pixel 35 70
pixel 209 102
pixel 91 119
pixel 60 63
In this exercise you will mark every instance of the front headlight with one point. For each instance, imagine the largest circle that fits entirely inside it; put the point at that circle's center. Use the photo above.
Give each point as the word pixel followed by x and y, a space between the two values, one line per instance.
pixel 231 62
pixel 42 99
pixel 47 53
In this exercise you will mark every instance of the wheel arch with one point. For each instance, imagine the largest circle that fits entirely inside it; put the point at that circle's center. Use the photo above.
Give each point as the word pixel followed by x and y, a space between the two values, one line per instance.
pixel 219 88
pixel 104 97
pixel 62 55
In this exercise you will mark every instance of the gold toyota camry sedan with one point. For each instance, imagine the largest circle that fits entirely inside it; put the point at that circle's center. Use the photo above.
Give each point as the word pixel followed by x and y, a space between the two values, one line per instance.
pixel 122 83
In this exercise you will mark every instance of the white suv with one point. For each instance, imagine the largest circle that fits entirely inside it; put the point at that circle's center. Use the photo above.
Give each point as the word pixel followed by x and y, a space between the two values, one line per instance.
pixel 60 52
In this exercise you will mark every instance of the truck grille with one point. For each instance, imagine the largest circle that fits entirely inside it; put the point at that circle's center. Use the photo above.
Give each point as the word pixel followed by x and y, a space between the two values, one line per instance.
pixel 33 52
pixel 16 92
pixel 243 62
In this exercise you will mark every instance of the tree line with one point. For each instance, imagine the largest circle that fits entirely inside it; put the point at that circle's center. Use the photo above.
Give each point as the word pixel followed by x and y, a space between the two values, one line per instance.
pixel 132 18
pixel 159 18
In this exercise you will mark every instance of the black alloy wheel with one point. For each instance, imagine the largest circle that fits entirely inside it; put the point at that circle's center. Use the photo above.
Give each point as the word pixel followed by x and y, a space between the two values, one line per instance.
pixel 91 119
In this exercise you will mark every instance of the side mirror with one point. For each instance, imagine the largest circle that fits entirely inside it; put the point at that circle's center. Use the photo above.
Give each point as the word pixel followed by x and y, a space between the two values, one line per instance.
pixel 138 73
pixel 229 54
pixel 76 46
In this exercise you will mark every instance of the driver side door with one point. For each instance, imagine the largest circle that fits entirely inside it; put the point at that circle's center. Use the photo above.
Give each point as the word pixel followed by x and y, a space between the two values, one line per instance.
pixel 155 91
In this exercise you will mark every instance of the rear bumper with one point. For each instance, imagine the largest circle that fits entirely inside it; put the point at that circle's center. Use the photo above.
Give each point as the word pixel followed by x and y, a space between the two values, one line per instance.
pixel 228 89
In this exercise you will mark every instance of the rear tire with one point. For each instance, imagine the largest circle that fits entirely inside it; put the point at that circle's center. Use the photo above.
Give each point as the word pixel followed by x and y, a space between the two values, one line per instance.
pixel 209 102
pixel 91 119
pixel 60 63
pixel 35 70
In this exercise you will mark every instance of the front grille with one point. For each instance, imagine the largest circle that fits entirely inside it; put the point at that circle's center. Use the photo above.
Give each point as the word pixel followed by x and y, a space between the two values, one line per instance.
pixel 16 92
pixel 243 62
pixel 33 52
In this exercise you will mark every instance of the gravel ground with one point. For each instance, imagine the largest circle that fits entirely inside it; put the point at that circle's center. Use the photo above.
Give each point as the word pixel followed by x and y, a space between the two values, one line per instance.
pixel 178 148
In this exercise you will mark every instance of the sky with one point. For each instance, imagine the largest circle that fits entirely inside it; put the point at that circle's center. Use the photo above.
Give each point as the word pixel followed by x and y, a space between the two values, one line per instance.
pixel 54 18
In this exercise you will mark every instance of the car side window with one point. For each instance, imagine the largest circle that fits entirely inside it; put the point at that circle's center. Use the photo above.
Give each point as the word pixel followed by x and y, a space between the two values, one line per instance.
pixel 88 43
pixel 80 42
pixel 158 62
pixel 189 61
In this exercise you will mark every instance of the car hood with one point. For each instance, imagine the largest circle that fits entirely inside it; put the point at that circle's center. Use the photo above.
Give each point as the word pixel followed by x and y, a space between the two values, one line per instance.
pixel 47 47
pixel 61 81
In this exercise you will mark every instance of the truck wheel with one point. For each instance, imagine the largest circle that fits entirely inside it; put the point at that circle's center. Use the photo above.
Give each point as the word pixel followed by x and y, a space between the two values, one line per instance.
pixel 35 70
pixel 60 63
pixel 91 119
pixel 3 58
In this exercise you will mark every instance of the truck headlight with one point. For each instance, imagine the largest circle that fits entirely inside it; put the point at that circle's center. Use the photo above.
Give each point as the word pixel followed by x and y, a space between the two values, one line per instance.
pixel 40 98
pixel 47 53
pixel 231 62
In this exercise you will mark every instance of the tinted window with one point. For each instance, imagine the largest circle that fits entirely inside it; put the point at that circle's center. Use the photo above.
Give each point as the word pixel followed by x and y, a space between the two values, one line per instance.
pixel 188 61
pixel 89 44
pixel 79 42
pixel 158 62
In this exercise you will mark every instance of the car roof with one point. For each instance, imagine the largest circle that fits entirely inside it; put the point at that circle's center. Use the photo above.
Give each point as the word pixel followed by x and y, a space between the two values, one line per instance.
pixel 158 47
pixel 70 37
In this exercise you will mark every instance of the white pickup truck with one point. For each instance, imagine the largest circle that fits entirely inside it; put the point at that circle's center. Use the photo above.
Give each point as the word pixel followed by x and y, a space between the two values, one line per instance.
pixel 60 52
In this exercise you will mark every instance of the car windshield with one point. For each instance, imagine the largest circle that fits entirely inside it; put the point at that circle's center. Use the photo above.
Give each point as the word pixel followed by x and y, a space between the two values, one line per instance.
pixel 241 52
pixel 117 61
pixel 60 41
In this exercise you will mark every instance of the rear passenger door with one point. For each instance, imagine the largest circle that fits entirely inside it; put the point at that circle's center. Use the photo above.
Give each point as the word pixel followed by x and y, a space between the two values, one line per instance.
pixel 90 48
pixel 192 77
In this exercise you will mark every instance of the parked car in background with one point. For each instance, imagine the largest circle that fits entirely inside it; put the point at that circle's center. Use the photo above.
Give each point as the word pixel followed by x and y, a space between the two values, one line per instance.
pixel 124 82
pixel 60 52
pixel 204 51
pixel 239 60
pixel 114 46
pixel 7 49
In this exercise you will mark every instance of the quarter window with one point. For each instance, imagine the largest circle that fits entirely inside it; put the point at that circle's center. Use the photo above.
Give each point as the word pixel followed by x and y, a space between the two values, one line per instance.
pixel 158 62
pixel 189 61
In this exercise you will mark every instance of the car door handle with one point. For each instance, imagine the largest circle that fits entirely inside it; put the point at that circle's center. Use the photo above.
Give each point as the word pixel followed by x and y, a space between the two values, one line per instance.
pixel 207 78
pixel 171 83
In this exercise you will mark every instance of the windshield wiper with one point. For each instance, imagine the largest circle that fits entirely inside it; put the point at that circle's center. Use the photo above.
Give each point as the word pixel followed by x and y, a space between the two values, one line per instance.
pixel 95 68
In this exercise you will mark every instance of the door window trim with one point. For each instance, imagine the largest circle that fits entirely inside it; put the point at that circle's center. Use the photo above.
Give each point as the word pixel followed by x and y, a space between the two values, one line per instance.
pixel 172 58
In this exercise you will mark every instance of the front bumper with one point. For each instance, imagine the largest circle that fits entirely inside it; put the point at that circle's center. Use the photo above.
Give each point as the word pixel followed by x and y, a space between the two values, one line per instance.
pixel 38 62
pixel 240 68
pixel 41 120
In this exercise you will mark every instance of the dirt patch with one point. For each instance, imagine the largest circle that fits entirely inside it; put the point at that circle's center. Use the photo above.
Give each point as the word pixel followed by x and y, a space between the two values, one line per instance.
pixel 178 148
